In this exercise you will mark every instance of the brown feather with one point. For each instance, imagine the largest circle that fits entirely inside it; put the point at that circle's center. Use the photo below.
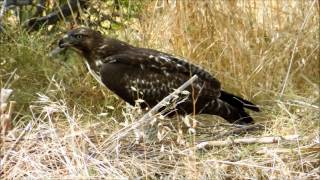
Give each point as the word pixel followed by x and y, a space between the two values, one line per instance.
pixel 133 73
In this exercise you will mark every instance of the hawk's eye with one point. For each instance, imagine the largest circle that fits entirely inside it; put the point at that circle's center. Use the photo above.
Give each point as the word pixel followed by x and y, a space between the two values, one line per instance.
pixel 78 36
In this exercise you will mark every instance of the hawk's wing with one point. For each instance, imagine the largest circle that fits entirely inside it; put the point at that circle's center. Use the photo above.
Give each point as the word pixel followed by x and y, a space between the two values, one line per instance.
pixel 167 64
pixel 152 76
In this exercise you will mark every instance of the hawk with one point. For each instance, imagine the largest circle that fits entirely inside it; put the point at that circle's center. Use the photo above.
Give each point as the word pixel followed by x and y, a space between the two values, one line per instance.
pixel 154 75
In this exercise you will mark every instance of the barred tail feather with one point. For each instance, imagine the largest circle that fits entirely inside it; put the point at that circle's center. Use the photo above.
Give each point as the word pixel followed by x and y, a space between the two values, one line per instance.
pixel 238 101
pixel 229 112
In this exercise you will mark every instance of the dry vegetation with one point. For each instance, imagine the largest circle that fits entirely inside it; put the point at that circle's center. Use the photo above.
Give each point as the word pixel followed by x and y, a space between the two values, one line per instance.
pixel 265 51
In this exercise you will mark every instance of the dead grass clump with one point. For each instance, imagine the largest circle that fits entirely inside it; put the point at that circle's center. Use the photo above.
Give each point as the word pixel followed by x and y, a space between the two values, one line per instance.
pixel 266 51
pixel 57 143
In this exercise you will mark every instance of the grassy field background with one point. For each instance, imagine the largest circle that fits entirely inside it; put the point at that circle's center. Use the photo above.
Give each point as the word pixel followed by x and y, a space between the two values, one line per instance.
pixel 70 126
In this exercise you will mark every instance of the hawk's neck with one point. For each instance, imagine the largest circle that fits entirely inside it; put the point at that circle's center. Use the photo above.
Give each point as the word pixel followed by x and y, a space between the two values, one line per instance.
pixel 104 49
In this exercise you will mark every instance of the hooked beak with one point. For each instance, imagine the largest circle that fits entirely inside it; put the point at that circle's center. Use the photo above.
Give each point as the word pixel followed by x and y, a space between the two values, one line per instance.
pixel 64 42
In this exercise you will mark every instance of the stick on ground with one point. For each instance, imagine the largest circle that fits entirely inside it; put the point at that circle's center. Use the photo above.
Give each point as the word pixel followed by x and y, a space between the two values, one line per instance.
pixel 238 130
pixel 124 131
pixel 252 140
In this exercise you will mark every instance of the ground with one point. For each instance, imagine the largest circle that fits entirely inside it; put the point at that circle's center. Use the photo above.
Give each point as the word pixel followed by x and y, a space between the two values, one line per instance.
pixel 72 127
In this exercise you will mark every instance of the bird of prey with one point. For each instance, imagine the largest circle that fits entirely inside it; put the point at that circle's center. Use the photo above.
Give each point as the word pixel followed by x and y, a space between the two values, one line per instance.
pixel 126 69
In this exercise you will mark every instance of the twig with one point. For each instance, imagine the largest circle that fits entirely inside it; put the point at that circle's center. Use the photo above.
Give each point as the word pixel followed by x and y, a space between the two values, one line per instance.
pixel 65 10
pixel 167 99
pixel 260 140
pixel 94 74
pixel 10 78
pixel 124 131
pixel 14 3
pixel 238 130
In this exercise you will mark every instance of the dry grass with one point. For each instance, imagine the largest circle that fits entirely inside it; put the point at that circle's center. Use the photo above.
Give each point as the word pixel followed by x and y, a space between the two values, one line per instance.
pixel 265 51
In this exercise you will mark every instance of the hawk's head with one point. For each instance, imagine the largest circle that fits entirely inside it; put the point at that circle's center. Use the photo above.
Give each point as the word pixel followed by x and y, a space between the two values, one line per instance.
pixel 82 39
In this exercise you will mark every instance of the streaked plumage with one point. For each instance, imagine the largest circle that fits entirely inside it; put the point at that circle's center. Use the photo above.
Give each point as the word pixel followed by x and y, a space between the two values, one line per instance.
pixel 154 74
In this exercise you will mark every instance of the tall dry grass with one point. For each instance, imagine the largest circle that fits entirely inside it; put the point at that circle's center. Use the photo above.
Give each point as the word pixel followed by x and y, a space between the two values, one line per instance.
pixel 265 51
